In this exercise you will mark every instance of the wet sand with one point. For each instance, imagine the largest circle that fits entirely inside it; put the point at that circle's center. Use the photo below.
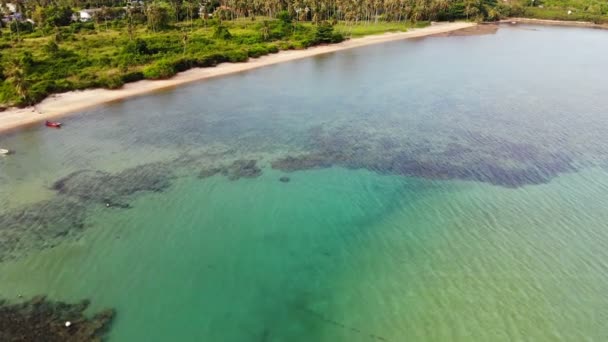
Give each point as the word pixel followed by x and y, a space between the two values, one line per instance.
pixel 61 104
pixel 476 30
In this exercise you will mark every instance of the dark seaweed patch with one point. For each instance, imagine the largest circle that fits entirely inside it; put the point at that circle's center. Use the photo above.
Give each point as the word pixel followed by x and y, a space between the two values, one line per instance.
pixel 206 173
pixel 103 187
pixel 242 168
pixel 472 157
pixel 42 320
pixel 303 162
pixel 45 224
pixel 39 225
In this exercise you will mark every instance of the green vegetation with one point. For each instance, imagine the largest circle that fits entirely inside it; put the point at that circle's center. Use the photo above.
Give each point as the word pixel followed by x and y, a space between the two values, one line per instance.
pixel 595 11
pixel 126 42
pixel 362 30
pixel 88 55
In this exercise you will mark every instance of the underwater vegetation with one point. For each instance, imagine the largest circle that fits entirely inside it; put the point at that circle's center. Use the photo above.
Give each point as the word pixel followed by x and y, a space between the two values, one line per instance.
pixel 242 168
pixel 39 225
pixel 100 187
pixel 46 223
pixel 40 319
pixel 486 159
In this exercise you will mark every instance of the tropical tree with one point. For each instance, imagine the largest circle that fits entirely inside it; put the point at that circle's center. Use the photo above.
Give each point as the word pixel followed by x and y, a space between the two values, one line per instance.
pixel 158 17
pixel 16 71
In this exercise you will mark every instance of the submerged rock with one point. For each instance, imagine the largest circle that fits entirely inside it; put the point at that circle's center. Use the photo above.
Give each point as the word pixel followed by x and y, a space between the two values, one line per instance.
pixel 42 320
pixel 284 179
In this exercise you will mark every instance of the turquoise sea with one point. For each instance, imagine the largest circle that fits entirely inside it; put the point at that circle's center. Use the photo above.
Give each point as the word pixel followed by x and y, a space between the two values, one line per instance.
pixel 437 189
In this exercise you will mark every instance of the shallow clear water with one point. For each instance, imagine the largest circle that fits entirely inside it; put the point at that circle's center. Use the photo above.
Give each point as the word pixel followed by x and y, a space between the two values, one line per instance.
pixel 439 189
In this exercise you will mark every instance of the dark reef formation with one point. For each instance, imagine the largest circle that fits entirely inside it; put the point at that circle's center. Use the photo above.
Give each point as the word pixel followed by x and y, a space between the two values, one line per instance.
pixel 305 162
pixel 42 320
pixel 242 168
pixel 103 187
pixel 45 224
pixel 473 157
pixel 39 225
pixel 383 147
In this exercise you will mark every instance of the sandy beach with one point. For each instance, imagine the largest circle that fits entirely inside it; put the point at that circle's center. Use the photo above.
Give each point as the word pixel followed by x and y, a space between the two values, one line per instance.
pixel 70 102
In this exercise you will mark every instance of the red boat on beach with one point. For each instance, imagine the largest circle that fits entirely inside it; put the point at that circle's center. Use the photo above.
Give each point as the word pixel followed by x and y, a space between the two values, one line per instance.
pixel 53 124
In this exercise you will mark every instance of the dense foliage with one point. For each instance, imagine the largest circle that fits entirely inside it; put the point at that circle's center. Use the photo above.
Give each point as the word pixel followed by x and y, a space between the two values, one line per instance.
pixel 85 55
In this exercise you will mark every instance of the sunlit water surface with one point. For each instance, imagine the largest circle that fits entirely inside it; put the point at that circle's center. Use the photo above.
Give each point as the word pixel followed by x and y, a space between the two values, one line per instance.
pixel 437 189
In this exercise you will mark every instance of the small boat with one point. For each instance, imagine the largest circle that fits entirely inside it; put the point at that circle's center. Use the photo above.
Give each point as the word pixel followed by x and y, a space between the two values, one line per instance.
pixel 53 124
pixel 4 151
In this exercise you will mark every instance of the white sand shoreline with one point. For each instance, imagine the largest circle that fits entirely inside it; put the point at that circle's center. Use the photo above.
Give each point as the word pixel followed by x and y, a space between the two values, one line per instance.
pixel 74 101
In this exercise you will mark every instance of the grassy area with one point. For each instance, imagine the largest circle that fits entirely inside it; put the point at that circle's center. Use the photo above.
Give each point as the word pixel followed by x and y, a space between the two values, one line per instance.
pixel 366 29
pixel 595 11
pixel 594 7
pixel 562 14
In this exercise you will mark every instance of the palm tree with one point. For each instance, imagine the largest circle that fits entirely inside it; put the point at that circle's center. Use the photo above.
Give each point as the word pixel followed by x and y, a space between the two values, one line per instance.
pixel 16 74
pixel 265 30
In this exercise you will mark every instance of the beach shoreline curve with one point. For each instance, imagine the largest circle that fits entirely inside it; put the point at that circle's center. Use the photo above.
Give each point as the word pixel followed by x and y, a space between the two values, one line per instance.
pixel 62 104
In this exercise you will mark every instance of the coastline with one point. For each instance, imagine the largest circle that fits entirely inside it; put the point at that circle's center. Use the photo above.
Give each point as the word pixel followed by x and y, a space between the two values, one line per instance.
pixel 554 22
pixel 66 103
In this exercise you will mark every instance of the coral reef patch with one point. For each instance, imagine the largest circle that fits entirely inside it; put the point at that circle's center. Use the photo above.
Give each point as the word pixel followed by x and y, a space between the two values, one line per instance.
pixel 472 157
pixel 242 168
pixel 39 225
pixel 39 319
pixel 103 187
pixel 45 224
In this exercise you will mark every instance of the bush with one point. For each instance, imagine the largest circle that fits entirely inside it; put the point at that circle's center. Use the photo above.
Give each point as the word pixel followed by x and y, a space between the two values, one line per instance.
pixel 81 27
pixel 324 33
pixel 183 64
pixel 8 95
pixel 51 48
pixel 237 56
pixel 221 32
pixel 211 60
pixel 62 85
pixel 137 47
pixel 257 51
pixel 272 48
pixel 285 17
pixel 39 91
pixel 133 76
pixel 112 82
pixel 159 70
pixel 21 26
